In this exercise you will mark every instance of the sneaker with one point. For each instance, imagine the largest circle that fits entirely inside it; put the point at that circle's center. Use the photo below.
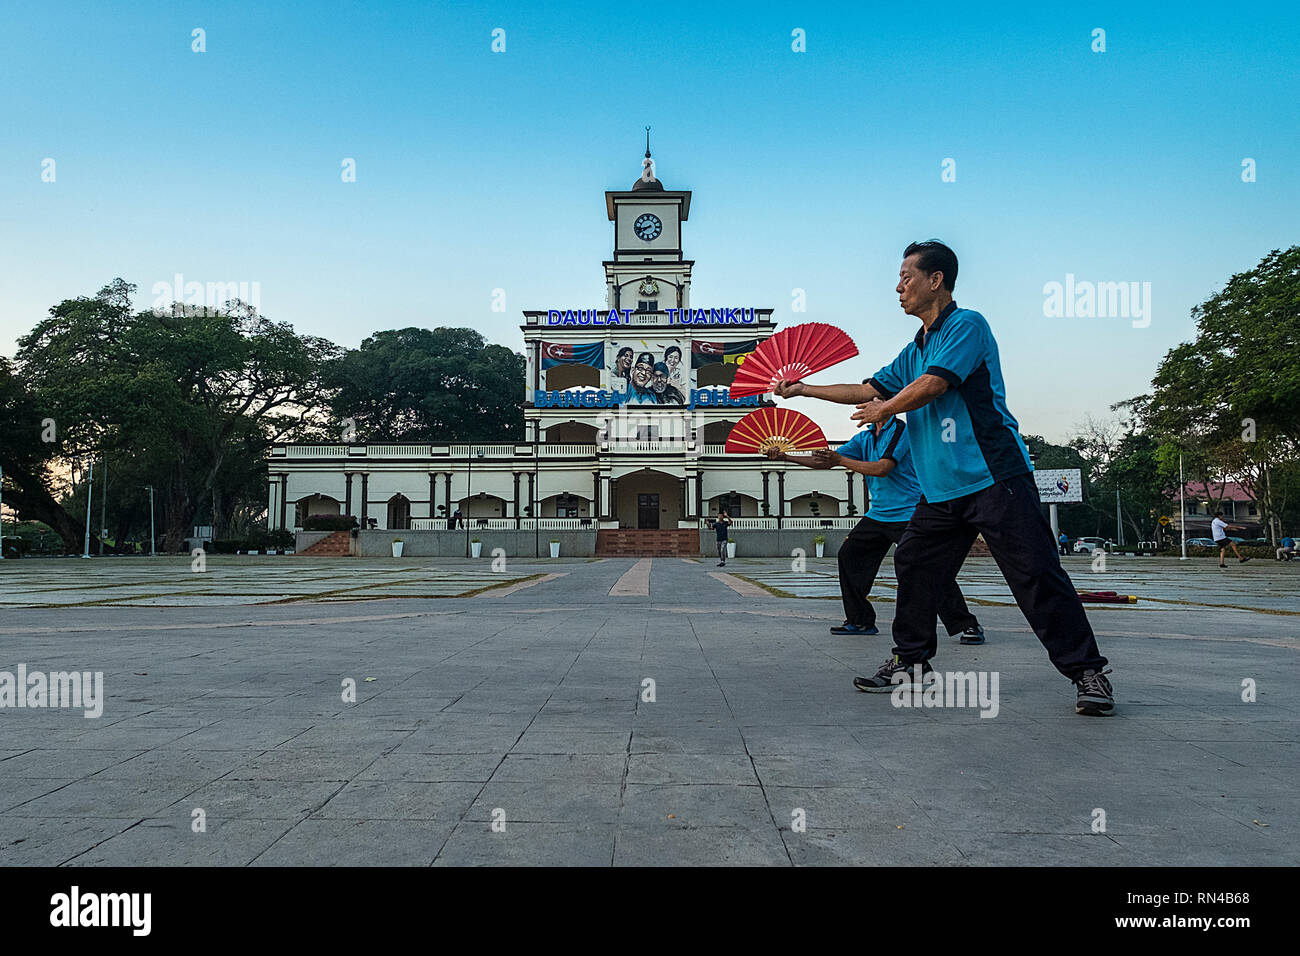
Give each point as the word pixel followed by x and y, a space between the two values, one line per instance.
pixel 1095 699
pixel 883 681
pixel 722 564
pixel 1244 560
pixel 973 635
pixel 847 628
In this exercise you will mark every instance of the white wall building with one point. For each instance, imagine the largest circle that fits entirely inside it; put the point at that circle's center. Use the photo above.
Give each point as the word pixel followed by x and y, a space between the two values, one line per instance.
pixel 627 411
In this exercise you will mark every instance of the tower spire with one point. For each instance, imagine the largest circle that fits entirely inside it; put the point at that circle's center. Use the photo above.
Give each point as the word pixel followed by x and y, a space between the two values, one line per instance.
pixel 647 180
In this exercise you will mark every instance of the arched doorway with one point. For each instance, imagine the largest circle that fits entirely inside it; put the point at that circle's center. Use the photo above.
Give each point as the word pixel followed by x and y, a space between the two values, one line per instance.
pixel 399 513
pixel 648 499
pixel 735 504
pixel 715 433
pixel 570 433
pixel 814 505
pixel 317 504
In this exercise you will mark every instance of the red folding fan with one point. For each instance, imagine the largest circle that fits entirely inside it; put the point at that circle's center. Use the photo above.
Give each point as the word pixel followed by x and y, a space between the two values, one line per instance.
pixel 782 428
pixel 791 354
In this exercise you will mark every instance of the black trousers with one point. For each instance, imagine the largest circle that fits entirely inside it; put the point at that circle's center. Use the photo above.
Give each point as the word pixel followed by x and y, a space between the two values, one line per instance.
pixel 1010 518
pixel 859 559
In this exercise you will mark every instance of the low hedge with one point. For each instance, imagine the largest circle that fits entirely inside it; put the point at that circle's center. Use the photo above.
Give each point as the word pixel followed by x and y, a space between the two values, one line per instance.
pixel 329 523
pixel 14 546
pixel 277 540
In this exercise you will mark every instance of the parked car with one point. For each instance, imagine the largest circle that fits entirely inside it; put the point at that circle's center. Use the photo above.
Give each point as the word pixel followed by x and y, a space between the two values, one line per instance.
pixel 1200 542
pixel 1089 545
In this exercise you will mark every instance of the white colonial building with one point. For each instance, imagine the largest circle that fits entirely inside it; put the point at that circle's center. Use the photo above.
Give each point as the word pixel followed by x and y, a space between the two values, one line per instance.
pixel 627 412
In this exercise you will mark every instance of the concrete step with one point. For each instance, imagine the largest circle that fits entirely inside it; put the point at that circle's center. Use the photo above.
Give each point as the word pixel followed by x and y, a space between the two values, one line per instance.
pixel 662 542
pixel 338 545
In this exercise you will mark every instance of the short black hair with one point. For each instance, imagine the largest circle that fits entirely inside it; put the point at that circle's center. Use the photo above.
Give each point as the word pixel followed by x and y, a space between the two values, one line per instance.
pixel 1218 514
pixel 935 257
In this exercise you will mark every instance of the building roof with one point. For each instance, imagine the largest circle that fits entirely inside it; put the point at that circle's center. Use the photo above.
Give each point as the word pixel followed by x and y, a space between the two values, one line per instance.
pixel 1217 490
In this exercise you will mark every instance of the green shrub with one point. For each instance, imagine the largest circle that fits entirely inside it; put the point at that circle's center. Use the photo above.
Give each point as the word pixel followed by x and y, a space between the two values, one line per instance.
pixel 329 523
pixel 14 546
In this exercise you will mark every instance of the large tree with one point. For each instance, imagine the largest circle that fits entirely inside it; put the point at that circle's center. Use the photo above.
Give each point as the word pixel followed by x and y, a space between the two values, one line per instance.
pixel 182 399
pixel 429 385
pixel 1229 401
pixel 30 461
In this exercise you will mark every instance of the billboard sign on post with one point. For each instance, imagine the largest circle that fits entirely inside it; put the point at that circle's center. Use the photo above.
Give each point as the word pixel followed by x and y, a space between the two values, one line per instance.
pixel 1059 486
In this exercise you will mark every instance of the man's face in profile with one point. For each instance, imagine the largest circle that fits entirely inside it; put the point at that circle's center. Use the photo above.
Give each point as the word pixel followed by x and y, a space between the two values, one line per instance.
pixel 914 287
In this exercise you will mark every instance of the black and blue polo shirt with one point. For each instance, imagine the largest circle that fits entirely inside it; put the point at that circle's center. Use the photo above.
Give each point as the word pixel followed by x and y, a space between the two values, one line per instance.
pixel 966 439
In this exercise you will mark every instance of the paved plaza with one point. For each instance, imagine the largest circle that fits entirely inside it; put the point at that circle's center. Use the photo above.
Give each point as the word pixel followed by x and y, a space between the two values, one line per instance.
pixel 623 711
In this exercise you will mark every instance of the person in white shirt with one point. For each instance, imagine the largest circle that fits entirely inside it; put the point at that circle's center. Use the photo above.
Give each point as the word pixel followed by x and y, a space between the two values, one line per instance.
pixel 1219 528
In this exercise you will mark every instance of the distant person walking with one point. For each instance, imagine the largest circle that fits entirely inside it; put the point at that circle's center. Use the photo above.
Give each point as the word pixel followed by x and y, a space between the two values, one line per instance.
pixel 721 524
pixel 1219 528
pixel 1064 542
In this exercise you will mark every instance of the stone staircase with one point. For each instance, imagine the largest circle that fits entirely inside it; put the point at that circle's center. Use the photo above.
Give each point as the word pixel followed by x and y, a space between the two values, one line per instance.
pixel 634 543
pixel 336 545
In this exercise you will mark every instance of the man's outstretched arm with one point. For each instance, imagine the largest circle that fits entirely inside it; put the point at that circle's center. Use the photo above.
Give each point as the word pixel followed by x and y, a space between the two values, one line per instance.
pixel 826 458
pixel 840 394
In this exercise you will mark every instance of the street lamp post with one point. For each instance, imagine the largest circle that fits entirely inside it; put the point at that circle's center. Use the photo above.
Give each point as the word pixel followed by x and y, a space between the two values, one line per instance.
pixel 152 552
pixel 1182 508
pixel 533 506
pixel 103 508
pixel 90 490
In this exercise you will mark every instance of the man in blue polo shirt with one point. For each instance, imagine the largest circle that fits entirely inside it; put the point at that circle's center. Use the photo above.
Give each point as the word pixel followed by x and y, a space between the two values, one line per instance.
pixel 882 453
pixel 976 478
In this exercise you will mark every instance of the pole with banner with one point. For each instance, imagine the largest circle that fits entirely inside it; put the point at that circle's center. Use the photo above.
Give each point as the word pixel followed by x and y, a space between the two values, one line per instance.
pixel 1058 486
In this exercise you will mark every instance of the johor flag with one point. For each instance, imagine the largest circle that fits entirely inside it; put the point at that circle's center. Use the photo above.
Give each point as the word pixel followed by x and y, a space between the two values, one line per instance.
pixel 561 353
pixel 710 353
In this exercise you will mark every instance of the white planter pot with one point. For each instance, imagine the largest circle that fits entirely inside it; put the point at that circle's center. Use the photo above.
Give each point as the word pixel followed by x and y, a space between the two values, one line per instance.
pixel 475 549
pixel 555 549
pixel 397 548
pixel 731 549
pixel 821 550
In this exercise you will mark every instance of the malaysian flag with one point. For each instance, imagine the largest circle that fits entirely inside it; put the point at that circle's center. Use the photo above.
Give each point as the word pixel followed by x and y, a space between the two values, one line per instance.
pixel 562 353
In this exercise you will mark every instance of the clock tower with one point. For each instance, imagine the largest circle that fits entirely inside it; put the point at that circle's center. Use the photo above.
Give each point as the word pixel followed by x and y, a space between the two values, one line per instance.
pixel 648 272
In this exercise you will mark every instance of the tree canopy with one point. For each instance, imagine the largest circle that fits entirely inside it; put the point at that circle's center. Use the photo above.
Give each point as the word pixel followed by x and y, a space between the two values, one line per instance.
pixel 1228 401
pixel 430 385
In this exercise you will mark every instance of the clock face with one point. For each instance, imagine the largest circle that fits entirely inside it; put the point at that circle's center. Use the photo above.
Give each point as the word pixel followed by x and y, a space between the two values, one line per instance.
pixel 647 227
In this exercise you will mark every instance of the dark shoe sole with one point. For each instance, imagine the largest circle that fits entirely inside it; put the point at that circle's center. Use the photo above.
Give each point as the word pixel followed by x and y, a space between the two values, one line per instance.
pixel 1094 708
pixel 866 632
pixel 872 689
pixel 972 640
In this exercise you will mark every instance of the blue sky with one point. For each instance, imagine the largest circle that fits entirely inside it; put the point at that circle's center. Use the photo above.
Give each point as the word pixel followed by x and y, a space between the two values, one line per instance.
pixel 478 171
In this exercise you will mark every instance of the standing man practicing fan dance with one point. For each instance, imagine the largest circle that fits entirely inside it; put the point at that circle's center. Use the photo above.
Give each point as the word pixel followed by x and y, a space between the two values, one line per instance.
pixel 882 453
pixel 975 476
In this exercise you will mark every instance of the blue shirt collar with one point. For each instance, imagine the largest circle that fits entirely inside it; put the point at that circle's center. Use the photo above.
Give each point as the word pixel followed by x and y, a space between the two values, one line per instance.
pixel 936 324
